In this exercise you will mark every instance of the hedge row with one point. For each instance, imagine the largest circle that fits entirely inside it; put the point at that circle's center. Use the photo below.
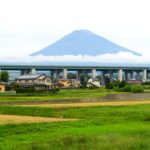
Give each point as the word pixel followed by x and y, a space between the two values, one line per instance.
pixel 33 90
pixel 25 90
pixel 124 87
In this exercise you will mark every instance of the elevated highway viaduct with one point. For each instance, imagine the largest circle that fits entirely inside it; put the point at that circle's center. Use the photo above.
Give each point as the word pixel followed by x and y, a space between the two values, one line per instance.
pixel 122 72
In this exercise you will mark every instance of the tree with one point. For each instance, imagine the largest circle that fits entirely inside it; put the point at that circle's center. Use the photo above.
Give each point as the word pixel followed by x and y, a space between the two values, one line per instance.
pixel 122 84
pixel 4 76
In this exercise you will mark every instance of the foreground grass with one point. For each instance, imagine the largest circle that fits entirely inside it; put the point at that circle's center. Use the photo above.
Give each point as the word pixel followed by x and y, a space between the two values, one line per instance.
pixel 119 127
pixel 62 94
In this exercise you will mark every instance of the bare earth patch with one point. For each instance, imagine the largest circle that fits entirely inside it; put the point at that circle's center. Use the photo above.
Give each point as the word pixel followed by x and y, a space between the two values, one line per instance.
pixel 93 104
pixel 14 119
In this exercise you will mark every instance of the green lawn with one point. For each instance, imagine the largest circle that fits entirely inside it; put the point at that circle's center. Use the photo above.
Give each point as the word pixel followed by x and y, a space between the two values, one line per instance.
pixel 99 128
pixel 62 94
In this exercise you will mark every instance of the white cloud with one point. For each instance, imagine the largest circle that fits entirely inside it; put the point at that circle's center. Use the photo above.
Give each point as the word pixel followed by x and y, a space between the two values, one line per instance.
pixel 121 57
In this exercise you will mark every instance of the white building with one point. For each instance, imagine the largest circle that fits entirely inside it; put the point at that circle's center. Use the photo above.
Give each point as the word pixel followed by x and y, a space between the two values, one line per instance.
pixel 93 81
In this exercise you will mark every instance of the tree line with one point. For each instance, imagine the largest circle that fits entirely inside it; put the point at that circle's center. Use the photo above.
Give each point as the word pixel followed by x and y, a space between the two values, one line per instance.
pixel 4 76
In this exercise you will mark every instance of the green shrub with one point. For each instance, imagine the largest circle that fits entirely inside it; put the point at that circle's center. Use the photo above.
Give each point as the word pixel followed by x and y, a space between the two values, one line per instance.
pixel 122 84
pixel 117 89
pixel 147 87
pixel 115 85
pixel 124 87
pixel 146 83
pixel 83 86
pixel 54 90
pixel 137 89
pixel 127 88
pixel 25 90
pixel 130 88
pixel 16 86
pixel 109 86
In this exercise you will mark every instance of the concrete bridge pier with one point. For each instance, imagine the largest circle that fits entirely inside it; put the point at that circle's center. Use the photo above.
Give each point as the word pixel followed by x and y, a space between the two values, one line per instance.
pixel 131 74
pixel 148 74
pixel 109 74
pixel 85 76
pixel 78 75
pixel 33 71
pixel 57 74
pixel 102 78
pixel 127 75
pixel 93 73
pixel 120 74
pixel 52 75
pixel 28 71
pixel 65 73
pixel 144 74
pixel 138 75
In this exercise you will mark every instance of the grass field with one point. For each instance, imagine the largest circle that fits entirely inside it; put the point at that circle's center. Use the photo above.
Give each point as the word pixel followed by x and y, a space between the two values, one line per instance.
pixel 98 128
pixel 62 94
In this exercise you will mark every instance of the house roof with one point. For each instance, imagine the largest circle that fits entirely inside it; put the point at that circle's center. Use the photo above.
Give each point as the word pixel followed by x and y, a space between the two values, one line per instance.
pixel 26 77
pixel 2 83
pixel 64 79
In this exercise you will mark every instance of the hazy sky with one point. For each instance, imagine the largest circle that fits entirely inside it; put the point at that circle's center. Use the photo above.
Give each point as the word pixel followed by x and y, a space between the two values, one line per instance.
pixel 27 26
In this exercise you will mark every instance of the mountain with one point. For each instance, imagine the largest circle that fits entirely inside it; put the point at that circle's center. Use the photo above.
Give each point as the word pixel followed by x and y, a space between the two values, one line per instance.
pixel 82 42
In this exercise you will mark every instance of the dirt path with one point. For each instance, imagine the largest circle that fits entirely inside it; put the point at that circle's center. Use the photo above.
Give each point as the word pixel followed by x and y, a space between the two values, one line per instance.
pixel 14 119
pixel 93 104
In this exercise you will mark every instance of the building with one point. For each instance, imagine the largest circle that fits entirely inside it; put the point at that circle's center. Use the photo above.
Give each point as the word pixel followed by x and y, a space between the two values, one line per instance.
pixel 93 81
pixel 2 87
pixel 69 83
pixel 134 81
pixel 40 82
